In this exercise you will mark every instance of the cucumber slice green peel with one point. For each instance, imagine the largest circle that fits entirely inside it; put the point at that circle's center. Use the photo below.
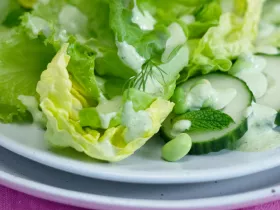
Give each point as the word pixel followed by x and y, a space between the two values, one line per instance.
pixel 204 142
pixel 215 144
pixel 277 119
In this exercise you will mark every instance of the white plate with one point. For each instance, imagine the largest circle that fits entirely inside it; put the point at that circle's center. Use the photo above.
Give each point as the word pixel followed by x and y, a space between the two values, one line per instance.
pixel 48 183
pixel 145 166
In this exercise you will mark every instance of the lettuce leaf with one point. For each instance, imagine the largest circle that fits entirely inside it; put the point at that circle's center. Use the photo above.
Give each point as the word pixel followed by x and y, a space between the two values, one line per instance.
pixel 268 41
pixel 204 17
pixel 234 35
pixel 148 43
pixel 151 43
pixel 62 108
pixel 4 9
pixel 21 62
pixel 88 21
pixel 10 13
pixel 107 113
pixel 196 17
pixel 97 29
pixel 27 3
pixel 167 11
pixel 81 67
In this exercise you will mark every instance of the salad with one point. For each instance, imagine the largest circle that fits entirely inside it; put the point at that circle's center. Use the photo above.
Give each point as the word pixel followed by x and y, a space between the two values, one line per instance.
pixel 104 76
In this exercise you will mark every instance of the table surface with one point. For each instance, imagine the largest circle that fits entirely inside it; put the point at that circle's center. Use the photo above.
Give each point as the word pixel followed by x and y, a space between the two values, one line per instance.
pixel 13 200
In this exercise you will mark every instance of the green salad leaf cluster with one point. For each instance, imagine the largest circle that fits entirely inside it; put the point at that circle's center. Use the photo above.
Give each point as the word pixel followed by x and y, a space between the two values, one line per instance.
pixel 98 74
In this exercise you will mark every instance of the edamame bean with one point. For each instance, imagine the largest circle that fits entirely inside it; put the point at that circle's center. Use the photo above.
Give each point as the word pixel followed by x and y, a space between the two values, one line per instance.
pixel 179 99
pixel 177 148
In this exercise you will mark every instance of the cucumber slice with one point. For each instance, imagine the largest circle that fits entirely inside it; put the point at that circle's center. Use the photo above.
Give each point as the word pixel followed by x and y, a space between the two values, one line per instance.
pixel 272 72
pixel 213 141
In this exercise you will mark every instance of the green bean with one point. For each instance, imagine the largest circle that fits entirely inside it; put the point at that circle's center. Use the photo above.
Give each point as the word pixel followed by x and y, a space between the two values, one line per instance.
pixel 179 99
pixel 177 148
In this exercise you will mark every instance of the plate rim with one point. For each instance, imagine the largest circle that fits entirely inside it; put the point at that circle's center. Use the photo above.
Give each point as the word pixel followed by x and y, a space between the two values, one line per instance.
pixel 86 200
pixel 101 172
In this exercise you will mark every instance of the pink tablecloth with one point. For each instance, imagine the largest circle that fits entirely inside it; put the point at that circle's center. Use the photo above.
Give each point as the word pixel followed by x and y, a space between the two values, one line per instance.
pixel 13 200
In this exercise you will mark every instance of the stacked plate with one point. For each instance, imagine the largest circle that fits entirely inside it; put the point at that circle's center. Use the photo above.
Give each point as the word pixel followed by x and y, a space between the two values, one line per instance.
pixel 224 180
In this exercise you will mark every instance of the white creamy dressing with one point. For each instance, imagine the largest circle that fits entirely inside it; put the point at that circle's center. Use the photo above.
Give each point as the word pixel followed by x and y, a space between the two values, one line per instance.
pixel 108 109
pixel 137 123
pixel 266 30
pixel 187 19
pixel 106 119
pixel 62 36
pixel 130 56
pixel 180 127
pixel 271 72
pixel 177 38
pixel 260 135
pixel 251 72
pixel 172 68
pixel 144 19
pixel 202 94
pixel 38 25
pixel 155 84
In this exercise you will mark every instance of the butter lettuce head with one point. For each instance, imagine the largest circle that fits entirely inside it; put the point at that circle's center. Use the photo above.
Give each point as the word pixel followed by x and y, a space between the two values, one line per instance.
pixel 61 106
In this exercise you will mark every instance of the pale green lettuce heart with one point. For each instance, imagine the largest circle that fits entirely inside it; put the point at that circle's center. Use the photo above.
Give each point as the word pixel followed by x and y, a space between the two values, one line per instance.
pixel 62 108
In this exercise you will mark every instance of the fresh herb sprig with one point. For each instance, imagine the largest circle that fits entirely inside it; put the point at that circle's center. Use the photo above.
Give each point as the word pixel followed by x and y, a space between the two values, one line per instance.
pixel 139 81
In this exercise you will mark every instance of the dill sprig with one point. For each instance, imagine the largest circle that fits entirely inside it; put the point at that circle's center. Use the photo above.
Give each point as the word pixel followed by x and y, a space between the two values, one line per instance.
pixel 140 80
